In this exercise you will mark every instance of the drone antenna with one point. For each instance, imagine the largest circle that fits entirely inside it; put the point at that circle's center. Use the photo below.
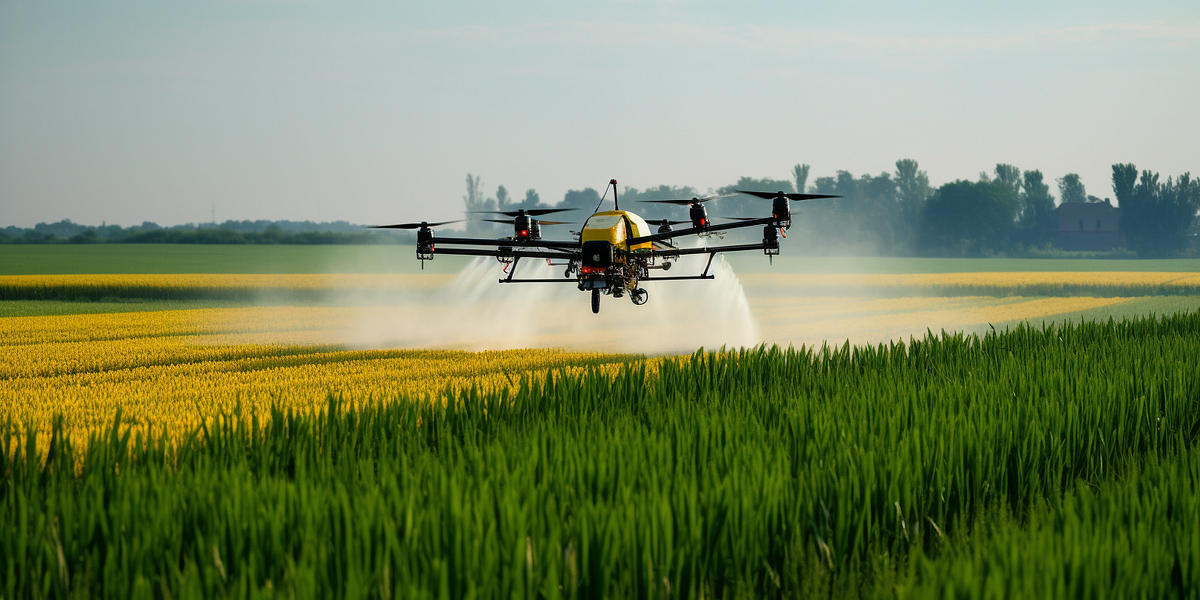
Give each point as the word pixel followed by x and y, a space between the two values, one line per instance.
pixel 613 183
pixel 601 200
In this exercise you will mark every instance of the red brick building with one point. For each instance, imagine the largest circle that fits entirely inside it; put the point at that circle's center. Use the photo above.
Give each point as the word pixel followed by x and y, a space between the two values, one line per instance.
pixel 1091 226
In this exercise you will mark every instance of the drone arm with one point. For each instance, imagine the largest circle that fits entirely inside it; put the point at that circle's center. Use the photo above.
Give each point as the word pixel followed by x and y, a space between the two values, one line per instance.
pixel 712 250
pixel 693 230
pixel 486 242
pixel 502 252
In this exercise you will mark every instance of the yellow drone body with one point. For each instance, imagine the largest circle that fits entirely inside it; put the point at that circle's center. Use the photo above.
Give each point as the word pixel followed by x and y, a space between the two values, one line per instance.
pixel 616 226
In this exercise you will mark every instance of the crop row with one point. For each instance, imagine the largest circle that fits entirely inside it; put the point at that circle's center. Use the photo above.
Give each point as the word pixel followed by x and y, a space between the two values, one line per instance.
pixel 1136 537
pixel 732 474
pixel 1094 284
pixel 185 388
pixel 245 287
pixel 322 287
pixel 170 370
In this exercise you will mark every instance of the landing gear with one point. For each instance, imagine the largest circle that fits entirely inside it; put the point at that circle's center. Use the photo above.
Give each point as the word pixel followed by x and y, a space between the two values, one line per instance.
pixel 595 301
pixel 639 296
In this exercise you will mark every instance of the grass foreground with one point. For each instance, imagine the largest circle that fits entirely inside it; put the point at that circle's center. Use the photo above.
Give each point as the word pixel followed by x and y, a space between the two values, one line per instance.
pixel 1033 463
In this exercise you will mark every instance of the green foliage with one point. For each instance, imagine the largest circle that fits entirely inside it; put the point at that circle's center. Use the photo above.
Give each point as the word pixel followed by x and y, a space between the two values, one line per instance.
pixel 765 184
pixel 227 233
pixel 866 219
pixel 585 200
pixel 1038 221
pixel 502 201
pixel 967 218
pixel 1155 217
pixel 1070 188
pixel 800 176
pixel 766 472
pixel 273 235
pixel 1010 176
pixel 913 189
pixel 1133 538
pixel 57 259
pixel 532 200
pixel 476 201
pixel 633 199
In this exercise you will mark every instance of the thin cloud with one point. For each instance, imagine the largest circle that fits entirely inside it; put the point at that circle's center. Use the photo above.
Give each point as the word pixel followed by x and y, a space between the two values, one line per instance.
pixel 753 36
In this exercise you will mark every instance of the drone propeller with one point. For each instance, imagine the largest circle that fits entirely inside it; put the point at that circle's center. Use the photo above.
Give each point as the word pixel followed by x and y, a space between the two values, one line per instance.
pixel 749 218
pixel 691 202
pixel 661 222
pixel 532 212
pixel 420 225
pixel 539 222
pixel 772 195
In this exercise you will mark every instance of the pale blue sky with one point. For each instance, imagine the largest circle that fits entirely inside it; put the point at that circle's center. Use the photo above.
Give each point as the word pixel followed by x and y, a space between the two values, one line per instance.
pixel 376 111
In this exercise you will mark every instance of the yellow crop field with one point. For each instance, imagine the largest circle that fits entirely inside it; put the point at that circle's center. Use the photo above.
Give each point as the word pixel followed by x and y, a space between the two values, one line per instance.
pixel 249 287
pixel 234 286
pixel 1041 283
pixel 172 369
pixel 818 319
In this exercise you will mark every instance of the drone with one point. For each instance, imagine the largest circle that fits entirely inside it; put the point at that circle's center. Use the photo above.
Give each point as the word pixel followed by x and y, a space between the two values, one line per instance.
pixel 615 251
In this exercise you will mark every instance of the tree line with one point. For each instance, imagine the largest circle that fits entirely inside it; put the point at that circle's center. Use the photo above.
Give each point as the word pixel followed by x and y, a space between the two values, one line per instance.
pixel 229 232
pixel 1008 212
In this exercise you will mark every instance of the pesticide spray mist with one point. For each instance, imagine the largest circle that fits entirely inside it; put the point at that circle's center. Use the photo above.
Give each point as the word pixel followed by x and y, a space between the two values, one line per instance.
pixel 474 312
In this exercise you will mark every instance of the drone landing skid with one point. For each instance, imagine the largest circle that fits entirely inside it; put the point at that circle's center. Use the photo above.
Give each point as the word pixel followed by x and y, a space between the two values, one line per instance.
pixel 679 278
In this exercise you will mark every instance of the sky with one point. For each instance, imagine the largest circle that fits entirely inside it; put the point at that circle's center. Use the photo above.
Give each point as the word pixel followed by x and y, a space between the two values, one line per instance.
pixel 375 112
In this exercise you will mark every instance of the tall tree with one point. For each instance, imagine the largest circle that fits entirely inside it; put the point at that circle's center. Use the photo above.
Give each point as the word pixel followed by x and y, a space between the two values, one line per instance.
pixel 532 200
pixel 1070 188
pixel 800 174
pixel 967 218
pixel 473 201
pixel 748 206
pixel 502 202
pixel 1010 176
pixel 585 199
pixel 1037 221
pixel 1155 217
pixel 1124 179
pixel 864 220
pixel 913 187
pixel 766 184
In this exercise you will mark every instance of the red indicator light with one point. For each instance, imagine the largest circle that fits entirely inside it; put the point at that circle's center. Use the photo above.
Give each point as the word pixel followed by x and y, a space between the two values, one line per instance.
pixel 524 233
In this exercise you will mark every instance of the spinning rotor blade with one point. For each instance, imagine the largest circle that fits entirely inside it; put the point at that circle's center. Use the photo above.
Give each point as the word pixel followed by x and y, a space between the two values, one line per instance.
pixel 538 221
pixel 753 218
pixel 688 202
pixel 661 222
pixel 772 195
pixel 413 225
pixel 532 212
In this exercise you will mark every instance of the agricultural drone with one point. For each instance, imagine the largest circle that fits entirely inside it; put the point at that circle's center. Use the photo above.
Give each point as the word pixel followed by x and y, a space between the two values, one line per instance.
pixel 615 251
